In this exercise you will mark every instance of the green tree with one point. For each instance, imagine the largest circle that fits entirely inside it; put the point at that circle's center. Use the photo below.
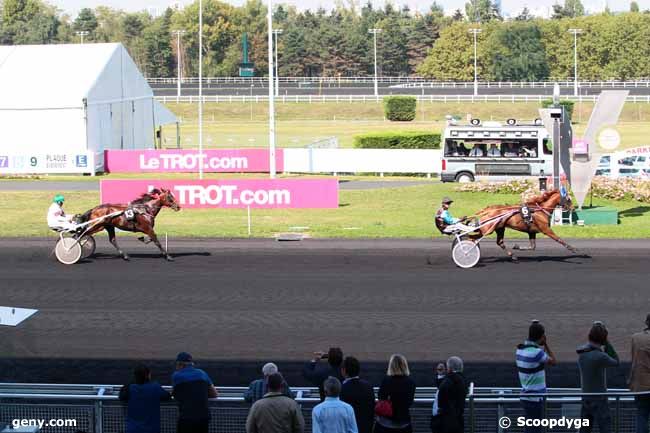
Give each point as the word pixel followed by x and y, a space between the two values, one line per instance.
pixel 515 53
pixel 571 9
pixel 219 33
pixel 558 46
pixel 28 22
pixel 452 55
pixel 160 61
pixel 634 6
pixel 482 11
pixel 524 15
pixel 109 24
pixel 86 21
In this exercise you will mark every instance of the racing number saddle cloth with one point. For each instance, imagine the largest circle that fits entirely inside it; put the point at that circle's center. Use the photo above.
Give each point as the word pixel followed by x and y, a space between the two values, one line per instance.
pixel 131 212
pixel 526 214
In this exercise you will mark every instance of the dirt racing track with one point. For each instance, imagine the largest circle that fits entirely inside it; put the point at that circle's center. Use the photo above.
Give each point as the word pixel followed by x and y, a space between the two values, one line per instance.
pixel 234 304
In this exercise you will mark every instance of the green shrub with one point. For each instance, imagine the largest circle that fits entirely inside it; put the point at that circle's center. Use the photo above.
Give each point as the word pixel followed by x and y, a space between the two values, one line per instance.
pixel 568 106
pixel 400 108
pixel 398 140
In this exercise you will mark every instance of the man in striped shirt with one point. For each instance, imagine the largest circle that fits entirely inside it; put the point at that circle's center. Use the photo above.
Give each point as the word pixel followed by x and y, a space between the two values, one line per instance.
pixel 532 357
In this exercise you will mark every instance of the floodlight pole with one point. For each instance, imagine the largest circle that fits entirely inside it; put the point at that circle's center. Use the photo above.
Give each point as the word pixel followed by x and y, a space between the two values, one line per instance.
pixel 475 32
pixel 575 33
pixel 178 34
pixel 375 32
pixel 201 89
pixel 277 32
pixel 81 34
pixel 271 94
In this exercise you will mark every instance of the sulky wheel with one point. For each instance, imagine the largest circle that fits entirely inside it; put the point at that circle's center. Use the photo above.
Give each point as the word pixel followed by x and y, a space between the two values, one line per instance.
pixel 87 246
pixel 68 251
pixel 466 254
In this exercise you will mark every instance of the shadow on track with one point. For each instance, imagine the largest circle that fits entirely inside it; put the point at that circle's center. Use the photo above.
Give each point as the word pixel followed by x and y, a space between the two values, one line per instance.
pixel 538 259
pixel 105 256
pixel 568 260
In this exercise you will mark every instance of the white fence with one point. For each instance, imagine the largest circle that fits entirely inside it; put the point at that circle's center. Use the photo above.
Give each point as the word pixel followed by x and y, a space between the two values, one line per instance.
pixel 313 99
pixel 403 80
pixel 362 161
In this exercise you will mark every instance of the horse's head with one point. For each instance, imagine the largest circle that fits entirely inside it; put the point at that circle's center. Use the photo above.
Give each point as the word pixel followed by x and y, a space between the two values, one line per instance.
pixel 557 197
pixel 167 199
pixel 565 199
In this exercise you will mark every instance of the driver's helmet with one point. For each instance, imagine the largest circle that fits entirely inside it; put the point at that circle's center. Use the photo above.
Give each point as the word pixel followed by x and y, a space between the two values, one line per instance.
pixel 59 199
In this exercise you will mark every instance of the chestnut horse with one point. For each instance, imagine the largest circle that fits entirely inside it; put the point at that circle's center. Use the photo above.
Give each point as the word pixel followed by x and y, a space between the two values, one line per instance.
pixel 505 216
pixel 145 209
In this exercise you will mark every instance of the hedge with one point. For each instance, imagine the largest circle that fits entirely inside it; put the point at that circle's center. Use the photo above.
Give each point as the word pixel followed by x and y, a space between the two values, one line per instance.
pixel 398 140
pixel 400 108
pixel 568 106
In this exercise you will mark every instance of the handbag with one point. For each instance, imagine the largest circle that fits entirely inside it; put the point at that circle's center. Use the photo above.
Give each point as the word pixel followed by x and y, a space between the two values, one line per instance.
pixel 384 408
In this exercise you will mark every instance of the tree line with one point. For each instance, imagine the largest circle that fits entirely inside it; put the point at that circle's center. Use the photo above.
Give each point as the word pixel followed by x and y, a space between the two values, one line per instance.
pixel 337 42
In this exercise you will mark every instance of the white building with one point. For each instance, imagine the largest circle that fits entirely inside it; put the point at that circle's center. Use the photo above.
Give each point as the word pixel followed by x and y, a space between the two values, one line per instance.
pixel 61 106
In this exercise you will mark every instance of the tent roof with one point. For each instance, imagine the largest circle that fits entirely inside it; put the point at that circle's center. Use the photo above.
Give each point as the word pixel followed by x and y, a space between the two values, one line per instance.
pixel 51 76
pixel 162 115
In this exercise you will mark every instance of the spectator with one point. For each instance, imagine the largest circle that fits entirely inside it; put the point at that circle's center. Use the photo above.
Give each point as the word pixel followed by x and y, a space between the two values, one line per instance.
pixel 359 394
pixel 399 389
pixel 333 415
pixel 494 150
pixel 640 375
pixel 510 151
pixel 449 404
pixel 316 373
pixel 192 389
pixel 531 358
pixel 476 150
pixel 143 397
pixel 593 361
pixel 275 412
pixel 441 372
pixel 258 388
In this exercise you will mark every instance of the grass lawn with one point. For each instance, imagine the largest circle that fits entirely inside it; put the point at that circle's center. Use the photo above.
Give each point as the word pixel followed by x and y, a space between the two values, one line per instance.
pixel 299 124
pixel 392 212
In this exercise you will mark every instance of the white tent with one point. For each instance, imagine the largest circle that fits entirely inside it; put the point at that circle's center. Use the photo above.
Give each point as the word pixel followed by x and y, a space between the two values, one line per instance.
pixel 61 106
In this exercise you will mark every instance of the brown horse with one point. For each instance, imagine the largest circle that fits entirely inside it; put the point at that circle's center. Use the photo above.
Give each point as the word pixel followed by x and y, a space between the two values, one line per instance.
pixel 144 209
pixel 541 208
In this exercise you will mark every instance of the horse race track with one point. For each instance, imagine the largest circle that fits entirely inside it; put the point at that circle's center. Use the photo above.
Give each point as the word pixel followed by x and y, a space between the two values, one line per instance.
pixel 235 304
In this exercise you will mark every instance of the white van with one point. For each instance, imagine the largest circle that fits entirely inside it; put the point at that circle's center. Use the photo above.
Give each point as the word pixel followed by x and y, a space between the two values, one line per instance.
pixel 493 149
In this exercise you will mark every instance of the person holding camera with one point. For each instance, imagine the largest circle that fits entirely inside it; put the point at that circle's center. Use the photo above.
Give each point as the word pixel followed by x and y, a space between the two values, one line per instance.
pixel 532 357
pixel 593 360
pixel 316 372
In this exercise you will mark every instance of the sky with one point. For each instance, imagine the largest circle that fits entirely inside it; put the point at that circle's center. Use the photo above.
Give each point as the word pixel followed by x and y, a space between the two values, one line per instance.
pixel 509 7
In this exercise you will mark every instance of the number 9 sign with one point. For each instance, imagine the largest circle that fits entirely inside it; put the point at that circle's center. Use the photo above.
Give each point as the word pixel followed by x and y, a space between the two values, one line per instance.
pixel 33 161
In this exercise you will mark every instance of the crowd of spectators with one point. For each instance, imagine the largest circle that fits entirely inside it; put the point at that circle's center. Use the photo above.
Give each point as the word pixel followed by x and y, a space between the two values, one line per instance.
pixel 349 405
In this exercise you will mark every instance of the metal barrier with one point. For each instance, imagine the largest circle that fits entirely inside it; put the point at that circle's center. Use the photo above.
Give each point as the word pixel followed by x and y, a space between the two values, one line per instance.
pixel 371 98
pixel 96 408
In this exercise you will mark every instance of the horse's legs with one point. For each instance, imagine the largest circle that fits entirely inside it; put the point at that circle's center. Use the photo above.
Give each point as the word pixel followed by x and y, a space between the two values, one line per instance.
pixel 531 247
pixel 500 242
pixel 551 234
pixel 154 239
pixel 113 241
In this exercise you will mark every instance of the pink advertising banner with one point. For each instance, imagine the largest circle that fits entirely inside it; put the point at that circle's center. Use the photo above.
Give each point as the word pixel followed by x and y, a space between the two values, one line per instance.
pixel 256 193
pixel 189 160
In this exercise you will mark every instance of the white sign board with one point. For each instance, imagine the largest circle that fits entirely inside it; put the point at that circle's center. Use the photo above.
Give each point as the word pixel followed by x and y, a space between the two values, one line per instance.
pixel 362 160
pixel 46 163
pixel 10 316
